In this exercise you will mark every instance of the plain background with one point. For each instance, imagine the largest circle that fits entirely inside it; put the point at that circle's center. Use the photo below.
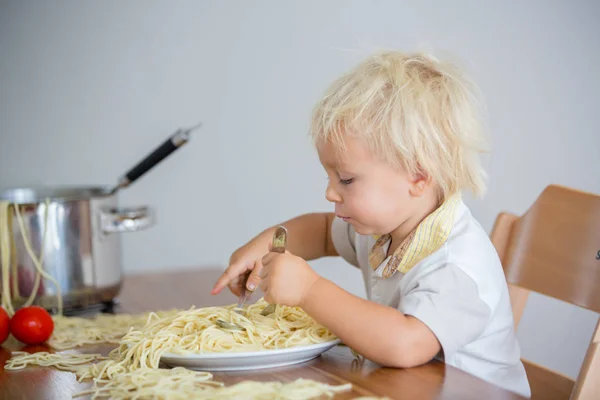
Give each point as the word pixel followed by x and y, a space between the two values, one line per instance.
pixel 89 88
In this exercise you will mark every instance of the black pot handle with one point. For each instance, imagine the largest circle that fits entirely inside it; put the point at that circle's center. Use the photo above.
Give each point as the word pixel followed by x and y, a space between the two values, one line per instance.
pixel 175 141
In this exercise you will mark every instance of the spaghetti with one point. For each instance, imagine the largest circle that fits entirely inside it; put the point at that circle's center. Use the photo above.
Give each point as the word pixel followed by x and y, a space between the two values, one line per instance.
pixel 176 383
pixel 194 331
pixel 8 258
pixel 73 332
pixel 200 386
pixel 5 253
pixel 132 370
pixel 76 363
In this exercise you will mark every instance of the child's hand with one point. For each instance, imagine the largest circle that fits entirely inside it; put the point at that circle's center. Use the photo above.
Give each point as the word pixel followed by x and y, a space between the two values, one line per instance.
pixel 246 258
pixel 286 279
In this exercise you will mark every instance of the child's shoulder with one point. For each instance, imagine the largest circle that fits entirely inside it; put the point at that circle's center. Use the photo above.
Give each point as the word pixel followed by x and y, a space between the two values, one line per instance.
pixel 469 243
pixel 470 249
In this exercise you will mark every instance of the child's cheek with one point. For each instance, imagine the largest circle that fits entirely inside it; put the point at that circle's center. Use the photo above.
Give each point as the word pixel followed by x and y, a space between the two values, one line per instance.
pixel 365 213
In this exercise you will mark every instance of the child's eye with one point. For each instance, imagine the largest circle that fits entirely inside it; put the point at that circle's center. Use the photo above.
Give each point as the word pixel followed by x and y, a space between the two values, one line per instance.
pixel 346 181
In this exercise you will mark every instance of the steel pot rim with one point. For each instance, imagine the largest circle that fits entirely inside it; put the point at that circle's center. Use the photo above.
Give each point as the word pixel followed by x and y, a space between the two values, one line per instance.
pixel 39 194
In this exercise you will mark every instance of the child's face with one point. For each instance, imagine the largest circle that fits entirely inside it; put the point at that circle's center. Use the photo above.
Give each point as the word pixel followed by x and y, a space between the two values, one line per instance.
pixel 371 195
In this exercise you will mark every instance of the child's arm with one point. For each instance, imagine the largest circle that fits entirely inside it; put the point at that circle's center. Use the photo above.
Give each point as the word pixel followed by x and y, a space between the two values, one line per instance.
pixel 441 308
pixel 379 333
pixel 382 334
pixel 309 237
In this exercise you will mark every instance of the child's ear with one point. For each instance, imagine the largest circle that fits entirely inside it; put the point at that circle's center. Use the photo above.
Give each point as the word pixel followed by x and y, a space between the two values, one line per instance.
pixel 419 183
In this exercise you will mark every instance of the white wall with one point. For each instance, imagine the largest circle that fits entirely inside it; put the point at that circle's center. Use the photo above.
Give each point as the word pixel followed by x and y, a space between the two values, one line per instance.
pixel 96 85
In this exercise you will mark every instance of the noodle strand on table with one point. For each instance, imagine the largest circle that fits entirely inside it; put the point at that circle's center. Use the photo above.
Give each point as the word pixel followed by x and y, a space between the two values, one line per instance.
pixel 131 370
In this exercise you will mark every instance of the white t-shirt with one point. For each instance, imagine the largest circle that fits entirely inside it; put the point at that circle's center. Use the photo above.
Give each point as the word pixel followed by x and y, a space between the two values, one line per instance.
pixel 459 291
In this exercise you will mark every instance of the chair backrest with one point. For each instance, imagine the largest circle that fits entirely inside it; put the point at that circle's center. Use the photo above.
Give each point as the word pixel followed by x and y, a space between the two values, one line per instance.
pixel 554 249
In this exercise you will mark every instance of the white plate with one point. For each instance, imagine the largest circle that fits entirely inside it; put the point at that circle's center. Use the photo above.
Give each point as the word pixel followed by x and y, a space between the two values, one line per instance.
pixel 239 361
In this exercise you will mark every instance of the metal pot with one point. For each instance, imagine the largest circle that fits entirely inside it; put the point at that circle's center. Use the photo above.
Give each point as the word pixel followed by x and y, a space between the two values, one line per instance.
pixel 82 246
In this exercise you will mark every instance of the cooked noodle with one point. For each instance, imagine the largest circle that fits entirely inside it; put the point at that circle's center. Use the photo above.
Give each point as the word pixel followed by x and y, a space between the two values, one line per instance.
pixel 71 362
pixel 194 331
pixel 5 252
pixel 131 371
pixel 180 383
pixel 73 332
pixel 176 383
pixel 9 257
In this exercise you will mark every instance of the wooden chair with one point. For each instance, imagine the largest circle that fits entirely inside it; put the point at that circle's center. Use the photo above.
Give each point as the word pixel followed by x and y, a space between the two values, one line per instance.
pixel 554 249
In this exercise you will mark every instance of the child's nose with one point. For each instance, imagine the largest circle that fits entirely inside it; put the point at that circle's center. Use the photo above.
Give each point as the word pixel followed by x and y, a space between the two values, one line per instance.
pixel 331 195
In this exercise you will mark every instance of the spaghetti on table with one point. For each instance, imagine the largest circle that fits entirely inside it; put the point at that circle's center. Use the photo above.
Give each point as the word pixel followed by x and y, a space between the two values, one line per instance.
pixel 132 370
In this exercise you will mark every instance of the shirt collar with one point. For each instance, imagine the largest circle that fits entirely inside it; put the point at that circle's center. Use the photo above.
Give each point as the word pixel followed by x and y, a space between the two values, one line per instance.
pixel 423 241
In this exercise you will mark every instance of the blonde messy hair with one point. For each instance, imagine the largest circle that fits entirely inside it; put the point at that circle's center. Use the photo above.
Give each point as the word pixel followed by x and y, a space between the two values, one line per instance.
pixel 413 111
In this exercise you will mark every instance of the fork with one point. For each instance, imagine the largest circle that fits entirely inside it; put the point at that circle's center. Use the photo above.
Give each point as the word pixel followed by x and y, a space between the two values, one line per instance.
pixel 228 326
pixel 279 245
pixel 244 295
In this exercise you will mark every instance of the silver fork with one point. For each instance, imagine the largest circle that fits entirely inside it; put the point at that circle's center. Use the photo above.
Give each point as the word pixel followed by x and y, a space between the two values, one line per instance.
pixel 228 326
pixel 244 295
pixel 279 245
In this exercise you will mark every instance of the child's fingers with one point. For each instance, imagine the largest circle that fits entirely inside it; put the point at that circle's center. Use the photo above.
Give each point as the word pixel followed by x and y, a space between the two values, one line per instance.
pixel 264 273
pixel 255 276
pixel 264 286
pixel 231 273
pixel 234 286
pixel 267 258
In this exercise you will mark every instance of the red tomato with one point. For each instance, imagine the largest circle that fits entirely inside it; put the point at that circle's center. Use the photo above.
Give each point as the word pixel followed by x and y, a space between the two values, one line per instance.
pixel 4 325
pixel 31 325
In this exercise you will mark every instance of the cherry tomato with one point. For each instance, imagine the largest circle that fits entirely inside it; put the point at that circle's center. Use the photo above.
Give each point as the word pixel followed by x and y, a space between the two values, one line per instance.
pixel 4 325
pixel 31 325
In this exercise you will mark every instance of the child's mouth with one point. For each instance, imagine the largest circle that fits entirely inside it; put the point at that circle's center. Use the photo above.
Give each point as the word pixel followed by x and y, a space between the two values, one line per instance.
pixel 343 218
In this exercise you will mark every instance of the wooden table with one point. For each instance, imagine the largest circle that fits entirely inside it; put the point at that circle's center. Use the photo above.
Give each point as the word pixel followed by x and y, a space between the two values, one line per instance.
pixel 140 293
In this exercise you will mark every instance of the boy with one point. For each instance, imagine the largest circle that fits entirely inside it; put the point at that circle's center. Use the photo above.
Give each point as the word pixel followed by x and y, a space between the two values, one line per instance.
pixel 399 139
